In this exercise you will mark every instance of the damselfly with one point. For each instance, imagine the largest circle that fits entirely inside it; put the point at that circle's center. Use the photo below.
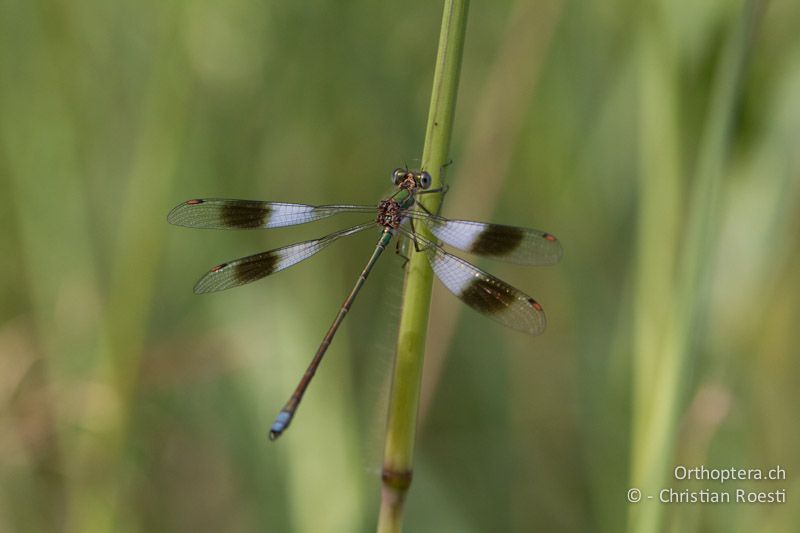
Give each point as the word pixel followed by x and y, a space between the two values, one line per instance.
pixel 396 214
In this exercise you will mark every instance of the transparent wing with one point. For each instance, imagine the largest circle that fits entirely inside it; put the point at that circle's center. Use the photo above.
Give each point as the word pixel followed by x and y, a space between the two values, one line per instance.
pixel 220 213
pixel 255 267
pixel 524 246
pixel 483 292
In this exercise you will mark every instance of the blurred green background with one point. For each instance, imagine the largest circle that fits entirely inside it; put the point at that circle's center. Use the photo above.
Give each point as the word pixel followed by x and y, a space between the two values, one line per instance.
pixel 658 140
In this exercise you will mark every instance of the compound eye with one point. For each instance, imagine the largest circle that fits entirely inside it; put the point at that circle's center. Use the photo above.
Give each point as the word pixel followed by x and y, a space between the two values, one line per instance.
pixel 425 180
pixel 397 175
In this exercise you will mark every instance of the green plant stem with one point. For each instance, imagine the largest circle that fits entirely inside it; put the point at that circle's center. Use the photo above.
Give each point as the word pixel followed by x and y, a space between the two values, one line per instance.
pixel 406 380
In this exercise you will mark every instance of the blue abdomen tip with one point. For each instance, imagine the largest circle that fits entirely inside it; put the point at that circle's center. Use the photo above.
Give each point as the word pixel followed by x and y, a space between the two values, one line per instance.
pixel 280 424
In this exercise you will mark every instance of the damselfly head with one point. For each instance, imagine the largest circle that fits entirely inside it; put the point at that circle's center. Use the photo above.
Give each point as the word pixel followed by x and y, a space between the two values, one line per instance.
pixel 411 180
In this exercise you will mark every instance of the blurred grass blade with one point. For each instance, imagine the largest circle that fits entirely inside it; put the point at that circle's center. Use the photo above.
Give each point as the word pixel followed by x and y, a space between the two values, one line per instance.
pixel 668 313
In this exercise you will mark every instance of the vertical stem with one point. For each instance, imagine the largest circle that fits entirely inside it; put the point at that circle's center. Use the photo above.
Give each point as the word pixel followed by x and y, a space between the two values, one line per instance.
pixel 404 400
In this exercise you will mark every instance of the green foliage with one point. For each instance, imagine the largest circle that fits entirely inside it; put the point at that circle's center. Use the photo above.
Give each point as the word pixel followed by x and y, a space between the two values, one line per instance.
pixel 130 404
